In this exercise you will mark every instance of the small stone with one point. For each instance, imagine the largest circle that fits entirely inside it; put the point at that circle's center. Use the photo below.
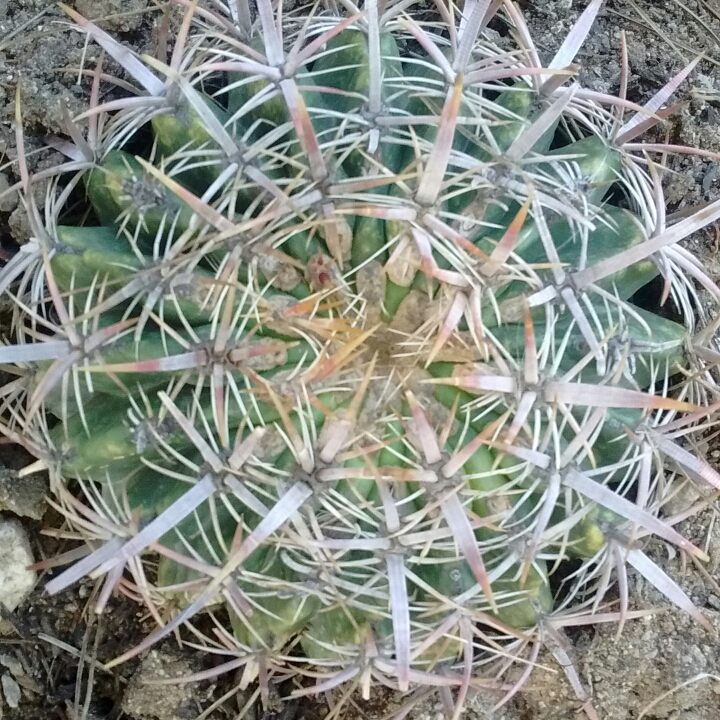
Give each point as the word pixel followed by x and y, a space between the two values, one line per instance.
pixel 11 691
pixel 16 581
pixel 12 664
pixel 144 701
pixel 19 223
pixel 26 496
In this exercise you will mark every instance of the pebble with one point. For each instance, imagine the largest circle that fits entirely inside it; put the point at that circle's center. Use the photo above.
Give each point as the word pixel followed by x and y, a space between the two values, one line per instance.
pixel 11 691
pixel 144 702
pixel 12 664
pixel 22 497
pixel 16 581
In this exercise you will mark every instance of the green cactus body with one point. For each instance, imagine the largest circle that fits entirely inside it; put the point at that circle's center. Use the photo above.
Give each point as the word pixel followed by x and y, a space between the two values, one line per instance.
pixel 122 195
pixel 333 634
pixel 182 129
pixel 357 337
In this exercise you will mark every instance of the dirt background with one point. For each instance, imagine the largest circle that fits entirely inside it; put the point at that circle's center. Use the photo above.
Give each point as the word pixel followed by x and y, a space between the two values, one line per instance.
pixel 662 668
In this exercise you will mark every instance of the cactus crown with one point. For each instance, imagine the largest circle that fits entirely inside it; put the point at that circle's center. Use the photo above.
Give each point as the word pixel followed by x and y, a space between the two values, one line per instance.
pixel 344 326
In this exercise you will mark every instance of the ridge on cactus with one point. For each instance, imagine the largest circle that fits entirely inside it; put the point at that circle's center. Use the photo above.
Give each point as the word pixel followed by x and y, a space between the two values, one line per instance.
pixel 337 314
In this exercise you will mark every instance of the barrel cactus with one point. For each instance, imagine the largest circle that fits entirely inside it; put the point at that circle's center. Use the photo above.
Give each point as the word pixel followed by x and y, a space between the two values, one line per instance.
pixel 371 332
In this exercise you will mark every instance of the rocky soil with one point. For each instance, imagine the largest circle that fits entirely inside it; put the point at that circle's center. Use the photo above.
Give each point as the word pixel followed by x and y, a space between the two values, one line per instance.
pixel 663 667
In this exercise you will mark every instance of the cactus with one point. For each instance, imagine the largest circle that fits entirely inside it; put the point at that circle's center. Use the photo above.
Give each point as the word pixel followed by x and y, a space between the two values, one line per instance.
pixel 354 342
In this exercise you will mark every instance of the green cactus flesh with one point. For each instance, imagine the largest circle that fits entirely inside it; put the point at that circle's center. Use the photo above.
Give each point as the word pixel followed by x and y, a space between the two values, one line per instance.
pixel 355 283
